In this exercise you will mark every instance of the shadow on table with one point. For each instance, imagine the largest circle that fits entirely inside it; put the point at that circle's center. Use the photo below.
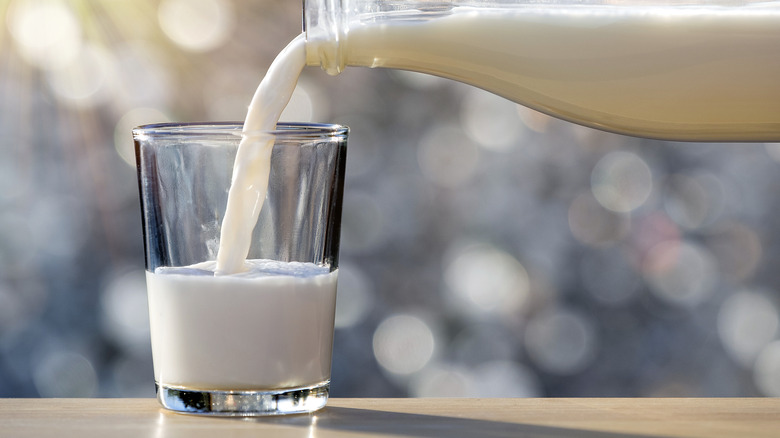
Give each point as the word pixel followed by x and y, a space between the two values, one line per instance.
pixel 427 426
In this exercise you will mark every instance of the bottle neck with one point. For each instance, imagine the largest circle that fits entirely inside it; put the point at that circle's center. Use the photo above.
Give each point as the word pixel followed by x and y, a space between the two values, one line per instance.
pixel 325 30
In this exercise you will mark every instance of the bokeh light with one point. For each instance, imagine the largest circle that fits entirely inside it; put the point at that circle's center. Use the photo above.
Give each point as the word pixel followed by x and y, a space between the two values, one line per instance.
pixel 300 108
pixel 767 370
pixel 125 314
pixel 443 380
pixel 403 344
pixel 144 77
pixel 489 379
pixel 197 25
pixel 747 322
pixel 594 225
pixel 693 201
pixel 486 281
pixel 561 341
pixel 491 121
pixel 504 379
pixel 680 273
pixel 738 249
pixel 86 80
pixel 534 120
pixel 63 373
pixel 131 119
pixel 621 181
pixel 355 296
pixel 46 32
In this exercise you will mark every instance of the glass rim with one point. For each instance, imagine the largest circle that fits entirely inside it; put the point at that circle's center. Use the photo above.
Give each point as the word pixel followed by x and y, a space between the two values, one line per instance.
pixel 283 129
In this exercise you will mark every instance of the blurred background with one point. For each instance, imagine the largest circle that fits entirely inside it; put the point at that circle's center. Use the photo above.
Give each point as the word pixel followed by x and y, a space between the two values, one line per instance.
pixel 487 250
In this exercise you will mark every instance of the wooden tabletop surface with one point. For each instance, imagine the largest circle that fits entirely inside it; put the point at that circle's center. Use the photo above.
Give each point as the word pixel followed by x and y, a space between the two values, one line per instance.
pixel 581 417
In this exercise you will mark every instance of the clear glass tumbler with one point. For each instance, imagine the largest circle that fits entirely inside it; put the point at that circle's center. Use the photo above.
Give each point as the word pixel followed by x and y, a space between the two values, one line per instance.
pixel 258 342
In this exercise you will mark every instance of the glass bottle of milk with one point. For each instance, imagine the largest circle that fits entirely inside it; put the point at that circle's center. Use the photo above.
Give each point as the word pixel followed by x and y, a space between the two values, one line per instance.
pixel 669 69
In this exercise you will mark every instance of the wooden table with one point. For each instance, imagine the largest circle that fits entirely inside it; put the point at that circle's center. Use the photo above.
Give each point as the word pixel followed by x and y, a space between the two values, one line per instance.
pixel 423 418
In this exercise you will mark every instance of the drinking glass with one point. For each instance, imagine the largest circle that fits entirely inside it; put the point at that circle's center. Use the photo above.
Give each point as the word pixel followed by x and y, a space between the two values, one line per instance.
pixel 256 342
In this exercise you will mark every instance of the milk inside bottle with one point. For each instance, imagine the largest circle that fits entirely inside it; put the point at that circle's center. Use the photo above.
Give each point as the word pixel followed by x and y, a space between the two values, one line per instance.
pixel 701 71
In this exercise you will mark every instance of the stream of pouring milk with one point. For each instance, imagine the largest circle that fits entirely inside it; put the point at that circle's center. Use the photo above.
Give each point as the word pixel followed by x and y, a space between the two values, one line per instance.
pixel 253 161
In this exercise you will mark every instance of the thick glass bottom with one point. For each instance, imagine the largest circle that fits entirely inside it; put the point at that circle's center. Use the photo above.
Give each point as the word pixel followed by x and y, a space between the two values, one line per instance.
pixel 244 403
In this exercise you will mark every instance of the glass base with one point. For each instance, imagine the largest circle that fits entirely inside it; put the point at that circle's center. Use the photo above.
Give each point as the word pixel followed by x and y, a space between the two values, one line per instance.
pixel 244 403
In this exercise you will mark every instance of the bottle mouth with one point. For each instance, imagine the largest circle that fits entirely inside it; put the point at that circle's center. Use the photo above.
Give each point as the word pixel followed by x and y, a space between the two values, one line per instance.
pixel 325 31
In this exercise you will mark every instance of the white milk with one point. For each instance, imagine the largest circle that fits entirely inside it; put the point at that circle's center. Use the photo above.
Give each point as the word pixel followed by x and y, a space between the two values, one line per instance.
pixel 703 73
pixel 270 327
